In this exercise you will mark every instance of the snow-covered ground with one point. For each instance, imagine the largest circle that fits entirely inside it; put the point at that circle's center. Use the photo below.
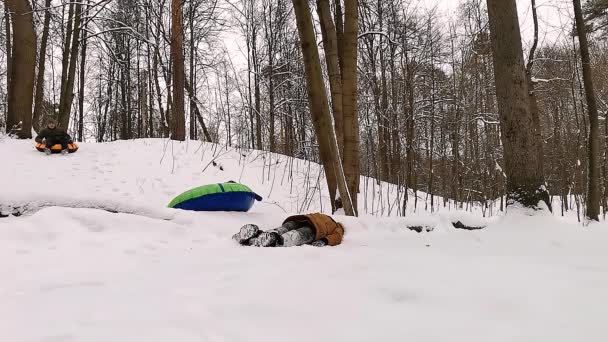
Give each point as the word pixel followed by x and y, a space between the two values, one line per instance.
pixel 83 274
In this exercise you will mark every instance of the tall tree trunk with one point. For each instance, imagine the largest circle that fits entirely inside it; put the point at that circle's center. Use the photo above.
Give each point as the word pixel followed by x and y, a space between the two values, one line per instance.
pixel 525 180
pixel 256 89
pixel 532 93
pixel 129 93
pixel 338 14
pixel 141 105
pixel 410 129
pixel 161 110
pixel 23 68
pixel 593 196
pixel 39 99
pixel 178 122
pixel 431 190
pixel 149 132
pixel 192 81
pixel 349 99
pixel 9 52
pixel 83 57
pixel 319 106
pixel 123 70
pixel 330 45
pixel 65 59
pixel 269 71
pixel 194 101
pixel 65 102
pixel 455 179
pixel 384 141
pixel 249 99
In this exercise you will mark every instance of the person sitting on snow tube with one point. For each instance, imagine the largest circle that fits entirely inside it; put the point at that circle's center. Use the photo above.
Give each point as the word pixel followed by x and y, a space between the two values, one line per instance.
pixel 53 135
pixel 314 229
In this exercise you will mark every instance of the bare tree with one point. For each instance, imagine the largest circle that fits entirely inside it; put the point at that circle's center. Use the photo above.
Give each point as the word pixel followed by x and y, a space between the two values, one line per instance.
pixel 23 68
pixel 39 98
pixel 593 188
pixel 319 106
pixel 525 180
pixel 330 45
pixel 67 95
pixel 178 122
pixel 349 99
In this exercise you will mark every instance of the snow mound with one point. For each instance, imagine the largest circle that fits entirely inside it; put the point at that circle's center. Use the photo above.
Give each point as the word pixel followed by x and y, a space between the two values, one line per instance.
pixel 137 271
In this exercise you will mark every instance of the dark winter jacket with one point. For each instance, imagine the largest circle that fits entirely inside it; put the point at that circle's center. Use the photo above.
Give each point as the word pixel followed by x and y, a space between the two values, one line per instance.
pixel 56 134
pixel 325 227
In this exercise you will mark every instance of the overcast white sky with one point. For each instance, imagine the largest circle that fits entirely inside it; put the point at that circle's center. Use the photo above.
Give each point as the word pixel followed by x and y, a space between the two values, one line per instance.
pixel 555 17
pixel 555 20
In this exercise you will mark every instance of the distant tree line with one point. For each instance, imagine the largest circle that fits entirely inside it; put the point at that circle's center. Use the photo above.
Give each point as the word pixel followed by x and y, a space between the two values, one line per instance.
pixel 383 88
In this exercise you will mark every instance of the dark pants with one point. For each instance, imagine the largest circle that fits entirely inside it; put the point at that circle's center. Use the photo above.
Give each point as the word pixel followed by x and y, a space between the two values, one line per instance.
pixel 294 234
pixel 63 141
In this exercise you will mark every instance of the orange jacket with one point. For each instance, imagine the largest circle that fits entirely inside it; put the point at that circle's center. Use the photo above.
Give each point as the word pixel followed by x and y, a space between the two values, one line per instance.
pixel 325 227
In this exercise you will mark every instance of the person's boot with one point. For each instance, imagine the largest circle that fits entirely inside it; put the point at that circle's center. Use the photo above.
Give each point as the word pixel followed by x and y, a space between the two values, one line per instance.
pixel 319 243
pixel 47 151
pixel 268 239
pixel 65 151
pixel 246 233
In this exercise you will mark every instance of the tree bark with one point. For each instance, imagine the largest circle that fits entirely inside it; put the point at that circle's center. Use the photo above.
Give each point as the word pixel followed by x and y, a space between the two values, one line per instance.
pixel 330 45
pixel 83 58
pixel 23 70
pixel 339 30
pixel 384 137
pixel 532 93
pixel 192 81
pixel 9 52
pixel 65 59
pixel 349 99
pixel 525 179
pixel 256 89
pixel 39 99
pixel 65 102
pixel 178 122
pixel 319 106
pixel 194 102
pixel 593 196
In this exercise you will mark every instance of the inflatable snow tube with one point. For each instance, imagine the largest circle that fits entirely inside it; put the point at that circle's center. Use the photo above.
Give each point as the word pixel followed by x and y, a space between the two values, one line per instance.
pixel 57 148
pixel 216 197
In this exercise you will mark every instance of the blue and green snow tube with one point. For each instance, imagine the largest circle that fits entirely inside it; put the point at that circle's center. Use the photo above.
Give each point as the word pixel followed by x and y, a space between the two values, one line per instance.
pixel 216 197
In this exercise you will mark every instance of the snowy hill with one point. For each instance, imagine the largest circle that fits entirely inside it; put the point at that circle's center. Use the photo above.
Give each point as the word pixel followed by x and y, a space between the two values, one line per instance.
pixel 84 274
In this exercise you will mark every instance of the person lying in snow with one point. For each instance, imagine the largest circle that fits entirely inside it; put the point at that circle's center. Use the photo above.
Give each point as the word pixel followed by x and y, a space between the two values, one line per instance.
pixel 52 135
pixel 314 229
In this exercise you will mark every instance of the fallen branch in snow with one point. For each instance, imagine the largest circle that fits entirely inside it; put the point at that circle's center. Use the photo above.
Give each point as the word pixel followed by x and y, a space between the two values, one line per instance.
pixel 419 229
pixel 460 225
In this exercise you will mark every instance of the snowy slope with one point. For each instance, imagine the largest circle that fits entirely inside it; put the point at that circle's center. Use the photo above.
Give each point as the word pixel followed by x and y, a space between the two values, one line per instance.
pixel 81 274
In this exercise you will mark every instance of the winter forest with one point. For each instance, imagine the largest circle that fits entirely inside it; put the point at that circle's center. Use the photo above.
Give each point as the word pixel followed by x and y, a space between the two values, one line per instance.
pixel 423 130
pixel 412 91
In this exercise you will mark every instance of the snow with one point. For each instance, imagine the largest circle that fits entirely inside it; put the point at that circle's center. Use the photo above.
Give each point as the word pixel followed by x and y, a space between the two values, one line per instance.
pixel 156 274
